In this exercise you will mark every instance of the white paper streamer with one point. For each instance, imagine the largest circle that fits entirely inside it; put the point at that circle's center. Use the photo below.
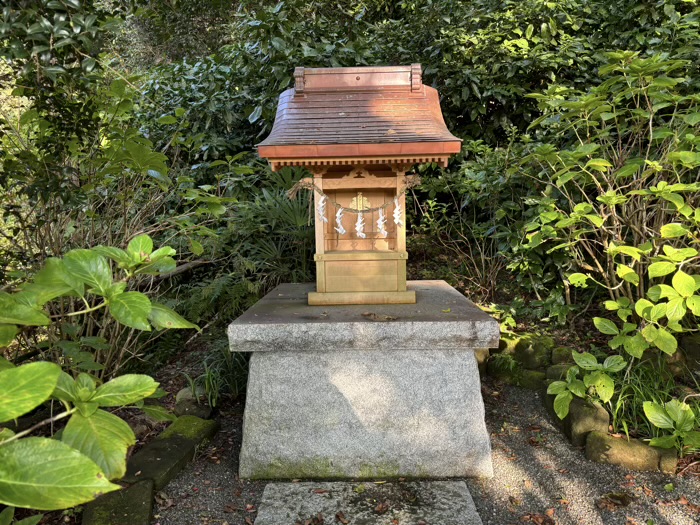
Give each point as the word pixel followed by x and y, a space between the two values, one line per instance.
pixel 397 212
pixel 360 226
pixel 381 223
pixel 322 209
pixel 339 222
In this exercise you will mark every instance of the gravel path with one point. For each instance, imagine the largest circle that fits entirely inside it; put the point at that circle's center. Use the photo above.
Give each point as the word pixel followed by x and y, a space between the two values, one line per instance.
pixel 539 478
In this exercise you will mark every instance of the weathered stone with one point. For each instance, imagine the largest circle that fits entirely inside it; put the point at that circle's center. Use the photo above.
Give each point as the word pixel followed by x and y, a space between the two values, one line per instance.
pixel 160 461
pixel 508 343
pixel 561 355
pixel 364 414
pixel 191 427
pixel 132 505
pixel 633 454
pixel 583 418
pixel 408 503
pixel 668 460
pixel 532 379
pixel 558 372
pixel 364 391
pixel 442 318
pixel 534 351
pixel 187 404
pixel 482 357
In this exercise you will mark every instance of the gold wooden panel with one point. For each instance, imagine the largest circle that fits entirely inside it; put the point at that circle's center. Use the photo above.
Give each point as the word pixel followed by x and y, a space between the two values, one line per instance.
pixel 361 276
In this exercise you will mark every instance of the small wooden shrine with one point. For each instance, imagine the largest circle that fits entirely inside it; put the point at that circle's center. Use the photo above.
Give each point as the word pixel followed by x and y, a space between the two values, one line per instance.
pixel 359 131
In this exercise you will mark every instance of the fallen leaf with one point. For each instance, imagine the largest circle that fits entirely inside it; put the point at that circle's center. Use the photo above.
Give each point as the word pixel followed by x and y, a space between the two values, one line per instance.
pixel 382 507
pixel 447 310
pixel 320 491
pixel 248 521
pixel 340 517
pixel 613 500
pixel 549 512
pixel 250 508
pixel 230 508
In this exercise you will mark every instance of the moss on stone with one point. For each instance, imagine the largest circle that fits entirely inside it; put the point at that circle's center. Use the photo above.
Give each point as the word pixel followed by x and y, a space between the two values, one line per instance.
pixel 190 427
pixel 534 351
pixel 532 379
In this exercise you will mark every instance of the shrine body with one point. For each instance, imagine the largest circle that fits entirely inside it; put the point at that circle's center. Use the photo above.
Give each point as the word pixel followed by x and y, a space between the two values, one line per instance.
pixel 359 131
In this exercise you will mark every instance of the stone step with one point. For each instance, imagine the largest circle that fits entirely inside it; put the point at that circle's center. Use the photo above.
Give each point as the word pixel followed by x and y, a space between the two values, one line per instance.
pixel 368 503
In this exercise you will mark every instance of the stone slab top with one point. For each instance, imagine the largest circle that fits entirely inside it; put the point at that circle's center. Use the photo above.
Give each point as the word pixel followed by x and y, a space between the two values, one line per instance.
pixel 441 318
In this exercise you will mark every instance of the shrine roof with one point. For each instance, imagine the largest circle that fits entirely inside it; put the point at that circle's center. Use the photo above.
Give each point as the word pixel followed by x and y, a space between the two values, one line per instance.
pixel 334 115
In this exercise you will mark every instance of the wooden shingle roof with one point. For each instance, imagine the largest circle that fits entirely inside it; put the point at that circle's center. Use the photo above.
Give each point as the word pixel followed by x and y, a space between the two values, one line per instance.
pixel 365 114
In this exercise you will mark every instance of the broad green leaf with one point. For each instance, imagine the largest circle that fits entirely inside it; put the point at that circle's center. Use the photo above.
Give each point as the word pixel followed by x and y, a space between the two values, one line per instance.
pixel 681 414
pixel 586 360
pixel 556 387
pixel 54 280
pixel 103 437
pixel 12 312
pixel 45 474
pixel 679 255
pixel 636 345
pixel 131 309
pixel 578 279
pixel 673 230
pixel 5 433
pixel 606 326
pixel 694 304
pixel 166 120
pixel 663 442
pixel 65 388
pixel 691 119
pixel 5 364
pixel 163 317
pixel 658 311
pixel 659 269
pixel 683 283
pixel 665 341
pixel 158 413
pixel 627 274
pixel 614 363
pixel 577 388
pixel 598 164
pixel 654 293
pixel 31 520
pixel 692 439
pixel 675 309
pixel 657 416
pixel 667 292
pixel 196 247
pixel 7 334
pixel 643 307
pixel 689 159
pixel 604 386
pixel 118 255
pixel 140 247
pixel 25 387
pixel 124 390
pixel 91 267
pixel 562 403
pixel 165 251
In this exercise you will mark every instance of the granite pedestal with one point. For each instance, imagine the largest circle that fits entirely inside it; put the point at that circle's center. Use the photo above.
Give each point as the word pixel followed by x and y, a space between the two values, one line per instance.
pixel 364 392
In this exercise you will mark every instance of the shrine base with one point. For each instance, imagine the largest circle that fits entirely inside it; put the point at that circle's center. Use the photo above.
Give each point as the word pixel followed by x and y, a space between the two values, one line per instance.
pixel 364 391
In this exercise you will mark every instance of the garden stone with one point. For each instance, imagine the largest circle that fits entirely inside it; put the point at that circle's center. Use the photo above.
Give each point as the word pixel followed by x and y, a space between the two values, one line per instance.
pixel 508 343
pixel 510 376
pixel 532 379
pixel 364 392
pixel 186 404
pixel 132 505
pixel 407 503
pixel 482 358
pixel 668 460
pixel 534 351
pixel 561 355
pixel 633 454
pixel 583 418
pixel 558 372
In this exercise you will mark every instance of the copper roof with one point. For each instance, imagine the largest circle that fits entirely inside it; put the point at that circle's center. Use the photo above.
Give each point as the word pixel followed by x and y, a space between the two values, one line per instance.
pixel 343 115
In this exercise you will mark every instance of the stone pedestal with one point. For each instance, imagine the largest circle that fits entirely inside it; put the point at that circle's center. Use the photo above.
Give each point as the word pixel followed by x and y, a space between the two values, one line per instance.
pixel 364 391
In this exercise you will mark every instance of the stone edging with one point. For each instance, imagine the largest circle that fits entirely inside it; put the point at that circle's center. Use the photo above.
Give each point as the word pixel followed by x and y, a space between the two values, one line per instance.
pixel 149 470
